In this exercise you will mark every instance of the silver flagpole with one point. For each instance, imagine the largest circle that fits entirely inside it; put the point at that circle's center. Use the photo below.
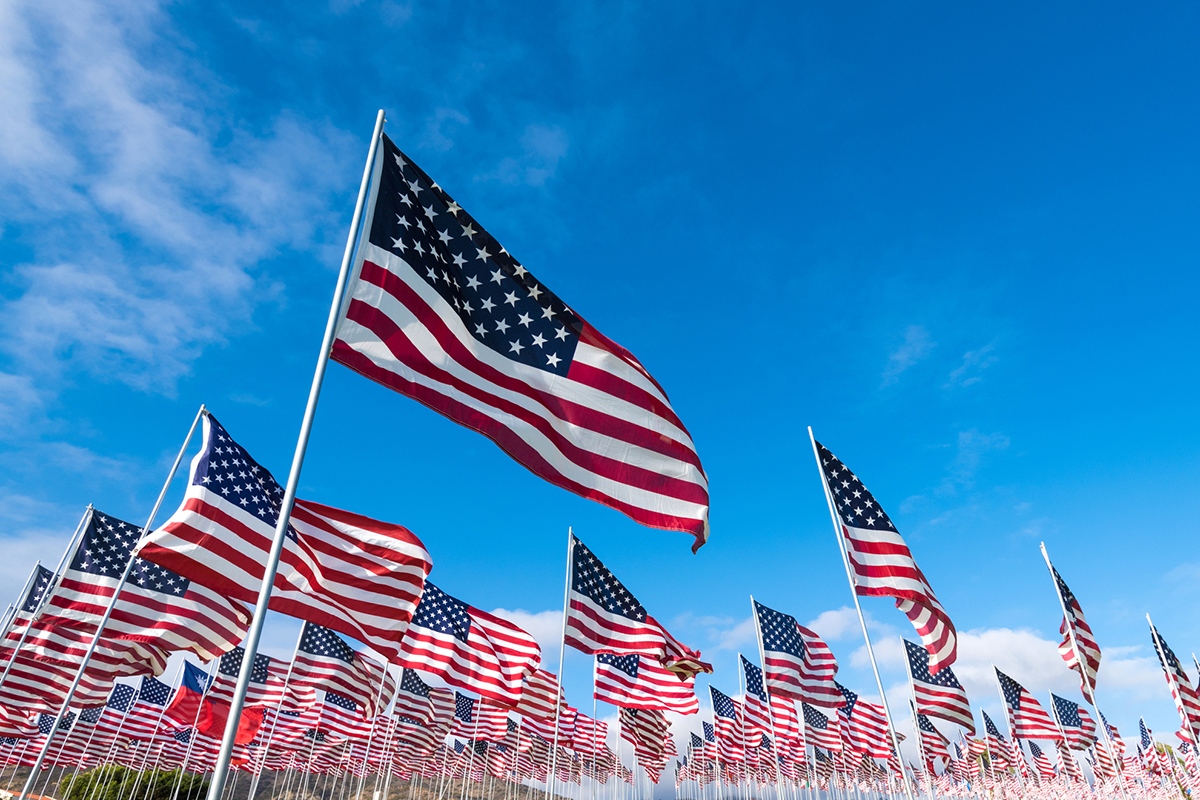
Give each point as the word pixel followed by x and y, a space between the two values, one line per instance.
pixel 220 771
pixel 1089 692
pixel 112 604
pixel 562 652
pixel 861 619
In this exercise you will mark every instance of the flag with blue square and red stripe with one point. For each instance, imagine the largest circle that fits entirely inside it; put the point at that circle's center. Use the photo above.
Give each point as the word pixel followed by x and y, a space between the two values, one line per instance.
pixel 324 660
pixel 1183 691
pixel 938 695
pixel 1026 717
pixel 438 310
pixel 882 564
pixel 1076 723
pixel 1084 639
pixel 634 681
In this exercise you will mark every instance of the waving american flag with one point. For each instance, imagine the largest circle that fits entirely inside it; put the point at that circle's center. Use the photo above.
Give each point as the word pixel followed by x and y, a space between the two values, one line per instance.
pixel 438 310
pixel 1026 717
pixel 1084 640
pixel 882 564
pixel 939 695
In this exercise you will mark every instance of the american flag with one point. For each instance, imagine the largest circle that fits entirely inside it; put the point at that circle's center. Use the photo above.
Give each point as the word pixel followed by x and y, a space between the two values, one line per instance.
pixel 414 698
pixel 755 706
pixel 1069 765
pixel 882 564
pixel 649 733
pixel 996 744
pixel 730 726
pixel 324 661
pixel 939 695
pixel 439 311
pixel 39 582
pixel 864 725
pixel 797 662
pixel 537 695
pixel 1041 762
pixel 820 729
pixel 604 617
pixel 590 735
pixel 16 724
pixel 144 716
pixel 1183 691
pixel 347 572
pixel 156 606
pixel 478 721
pixel 40 677
pixel 1076 723
pixel 933 742
pixel 342 717
pixel 1025 715
pixel 266 680
pixel 1084 638
pixel 468 648
pixel 634 681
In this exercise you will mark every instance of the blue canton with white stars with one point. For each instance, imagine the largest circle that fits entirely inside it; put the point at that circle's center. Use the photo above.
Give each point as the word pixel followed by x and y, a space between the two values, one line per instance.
pixel 926 725
pixel 1067 711
pixel 319 641
pixel 121 697
pixel 856 506
pixel 499 302
pixel 225 468
pixel 1147 739
pixel 990 726
pixel 592 579
pixel 106 548
pixel 814 718
pixel 780 633
pixel 722 704
pixel 231 665
pixel 41 582
pixel 91 715
pixel 627 663
pixel 464 707
pixel 851 699
pixel 709 734
pixel 918 662
pixel 340 701
pixel 154 691
pixel 441 613
pixel 1011 690
pixel 411 682
pixel 754 680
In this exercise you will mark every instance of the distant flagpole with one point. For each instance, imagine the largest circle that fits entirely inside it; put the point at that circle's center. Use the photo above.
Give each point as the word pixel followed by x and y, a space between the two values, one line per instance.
pixel 221 770
pixel 861 619
pixel 762 660
pixel 108 611
pixel 1089 692
pixel 562 652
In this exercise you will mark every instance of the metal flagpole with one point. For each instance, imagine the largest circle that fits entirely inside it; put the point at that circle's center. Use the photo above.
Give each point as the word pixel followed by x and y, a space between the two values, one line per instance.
pixel 62 562
pixel 1178 696
pixel 762 660
pixel 562 652
pixel 112 604
pixel 1012 729
pixel 220 771
pixel 1089 693
pixel 858 608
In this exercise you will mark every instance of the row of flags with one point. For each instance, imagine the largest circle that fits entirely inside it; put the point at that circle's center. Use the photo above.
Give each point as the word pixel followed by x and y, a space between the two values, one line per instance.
pixel 436 309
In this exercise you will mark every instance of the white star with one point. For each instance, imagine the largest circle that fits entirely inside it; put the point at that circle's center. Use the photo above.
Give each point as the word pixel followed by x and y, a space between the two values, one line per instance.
pixel 524 320
pixel 472 281
pixel 400 162
pixel 535 291
pixel 466 306
pixel 399 245
pixel 469 231
pixel 552 360
pixel 498 275
pixel 479 329
pixel 459 260
pixel 515 347
pixel 521 271
pixel 502 326
pixel 403 221
pixel 561 333
pixel 413 187
pixel 547 312
pixel 539 340
pixel 429 212
pixel 488 305
pixel 482 254
pixel 445 237
pixel 454 208
pixel 511 298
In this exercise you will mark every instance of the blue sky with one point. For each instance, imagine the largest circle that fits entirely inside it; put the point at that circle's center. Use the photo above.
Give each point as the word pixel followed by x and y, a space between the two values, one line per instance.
pixel 959 242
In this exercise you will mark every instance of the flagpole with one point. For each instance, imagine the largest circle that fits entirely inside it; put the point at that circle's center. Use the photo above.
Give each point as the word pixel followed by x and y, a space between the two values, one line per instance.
pixel 912 693
pixel 108 611
pixel 762 660
pixel 562 652
pixel 220 771
pixel 33 615
pixel 1178 696
pixel 1089 691
pixel 858 608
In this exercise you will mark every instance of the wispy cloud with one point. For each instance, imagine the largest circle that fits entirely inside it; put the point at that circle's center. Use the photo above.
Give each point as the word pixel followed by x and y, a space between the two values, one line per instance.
pixel 718 634
pixel 974 362
pixel 971 448
pixel 916 346
pixel 147 217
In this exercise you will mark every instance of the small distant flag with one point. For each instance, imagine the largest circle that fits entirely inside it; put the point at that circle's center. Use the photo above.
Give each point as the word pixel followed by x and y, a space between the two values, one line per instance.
pixel 939 695
pixel 1026 716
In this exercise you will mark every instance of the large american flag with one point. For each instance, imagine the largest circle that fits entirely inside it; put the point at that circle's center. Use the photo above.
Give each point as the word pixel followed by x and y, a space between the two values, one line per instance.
pixel 881 562
pixel 439 311
pixel 155 607
pixel 1089 648
pixel 864 725
pixel 604 617
pixel 1076 723
pixel 356 575
pixel 1183 691
pixel 939 695
pixel 797 662
pixel 468 648
pixel 324 661
pixel 634 681
pixel 1026 717
pixel 538 694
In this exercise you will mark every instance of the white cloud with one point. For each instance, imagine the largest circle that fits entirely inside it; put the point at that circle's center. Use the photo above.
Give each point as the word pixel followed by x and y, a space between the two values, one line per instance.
pixel 148 216
pixel 19 402
pixel 718 633
pixel 916 346
pixel 837 625
pixel 973 363
pixel 971 448
pixel 544 626
pixel 543 148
